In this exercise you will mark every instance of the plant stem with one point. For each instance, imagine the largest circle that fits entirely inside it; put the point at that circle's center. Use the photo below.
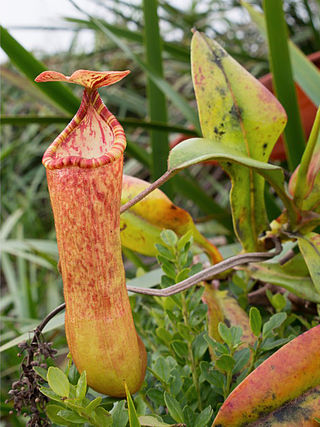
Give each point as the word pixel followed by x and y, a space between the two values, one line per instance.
pixel 255 356
pixel 164 178
pixel 210 272
pixel 193 366
pixel 228 384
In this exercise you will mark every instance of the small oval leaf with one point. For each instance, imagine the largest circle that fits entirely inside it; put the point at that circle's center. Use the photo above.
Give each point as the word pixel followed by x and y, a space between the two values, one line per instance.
pixel 174 408
pixel 58 381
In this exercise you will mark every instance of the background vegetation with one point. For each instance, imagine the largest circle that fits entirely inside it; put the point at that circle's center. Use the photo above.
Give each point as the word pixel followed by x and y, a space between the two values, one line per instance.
pixel 155 103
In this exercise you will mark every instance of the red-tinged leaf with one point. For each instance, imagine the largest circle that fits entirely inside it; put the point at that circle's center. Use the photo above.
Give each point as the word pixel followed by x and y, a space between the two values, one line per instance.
pixel 241 114
pixel 287 374
pixel 142 224
pixel 86 78
pixel 223 308
pixel 300 412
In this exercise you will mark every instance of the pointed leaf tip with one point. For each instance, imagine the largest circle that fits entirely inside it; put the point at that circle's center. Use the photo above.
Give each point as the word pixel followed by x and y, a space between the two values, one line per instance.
pixel 88 79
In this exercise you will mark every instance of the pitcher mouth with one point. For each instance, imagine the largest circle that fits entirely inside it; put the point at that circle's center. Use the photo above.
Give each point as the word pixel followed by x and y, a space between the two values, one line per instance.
pixel 92 139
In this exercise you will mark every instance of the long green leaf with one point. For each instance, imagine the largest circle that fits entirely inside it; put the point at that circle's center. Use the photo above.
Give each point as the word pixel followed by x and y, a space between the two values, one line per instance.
pixel 10 223
pixel 12 283
pixel 31 67
pixel 237 112
pixel 283 80
pixel 27 86
pixel 156 98
pixel 56 322
pixel 125 121
pixel 133 417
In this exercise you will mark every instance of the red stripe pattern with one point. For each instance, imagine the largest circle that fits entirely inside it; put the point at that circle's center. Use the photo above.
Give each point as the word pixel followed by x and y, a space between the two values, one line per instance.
pixel 90 97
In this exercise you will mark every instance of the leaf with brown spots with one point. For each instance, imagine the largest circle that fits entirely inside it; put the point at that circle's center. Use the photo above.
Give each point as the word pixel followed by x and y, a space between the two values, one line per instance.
pixel 300 412
pixel 287 374
pixel 237 112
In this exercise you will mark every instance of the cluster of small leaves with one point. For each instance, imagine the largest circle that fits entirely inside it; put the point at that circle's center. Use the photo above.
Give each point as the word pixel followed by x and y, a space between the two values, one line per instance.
pixel 25 393
pixel 233 360
pixel 270 335
pixel 71 405
pixel 173 329
pixel 175 257
pixel 229 360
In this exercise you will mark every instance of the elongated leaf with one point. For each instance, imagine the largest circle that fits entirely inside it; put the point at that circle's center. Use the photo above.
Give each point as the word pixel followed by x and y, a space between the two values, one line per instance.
pixel 27 86
pixel 133 418
pixel 156 98
pixel 284 376
pixel 304 184
pixel 81 389
pixel 174 408
pixel 31 67
pixel 292 276
pixel 196 150
pixel 9 223
pixel 309 246
pixel 305 72
pixel 223 308
pixel 126 122
pixel 55 323
pixel 142 224
pixel 255 321
pixel 237 112
pixel 279 59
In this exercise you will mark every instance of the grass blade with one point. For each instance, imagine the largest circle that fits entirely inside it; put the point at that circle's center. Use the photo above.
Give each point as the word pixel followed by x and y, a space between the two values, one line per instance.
pixel 283 80
pixel 133 417
pixel 156 99
pixel 9 224
pixel 125 122
pixel 178 52
pixel 11 281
